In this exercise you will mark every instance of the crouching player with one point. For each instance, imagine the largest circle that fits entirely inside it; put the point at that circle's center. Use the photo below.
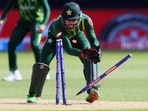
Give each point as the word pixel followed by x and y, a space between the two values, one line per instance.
pixel 69 26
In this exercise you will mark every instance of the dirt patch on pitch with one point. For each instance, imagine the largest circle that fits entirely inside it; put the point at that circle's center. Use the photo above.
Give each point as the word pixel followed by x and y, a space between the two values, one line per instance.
pixel 19 104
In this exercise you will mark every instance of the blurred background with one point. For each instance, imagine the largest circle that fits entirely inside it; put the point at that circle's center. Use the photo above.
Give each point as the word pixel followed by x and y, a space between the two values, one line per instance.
pixel 119 24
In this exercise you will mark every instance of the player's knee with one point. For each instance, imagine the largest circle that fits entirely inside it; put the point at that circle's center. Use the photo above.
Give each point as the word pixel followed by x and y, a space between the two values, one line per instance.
pixel 34 46
pixel 41 67
pixel 11 45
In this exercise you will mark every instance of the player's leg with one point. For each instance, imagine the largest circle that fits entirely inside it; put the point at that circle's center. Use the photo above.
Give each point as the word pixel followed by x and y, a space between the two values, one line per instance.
pixel 35 41
pixel 90 69
pixel 91 73
pixel 40 71
pixel 15 39
pixel 47 56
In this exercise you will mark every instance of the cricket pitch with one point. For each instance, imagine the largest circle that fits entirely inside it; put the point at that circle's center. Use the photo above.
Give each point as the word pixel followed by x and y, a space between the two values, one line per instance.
pixel 20 104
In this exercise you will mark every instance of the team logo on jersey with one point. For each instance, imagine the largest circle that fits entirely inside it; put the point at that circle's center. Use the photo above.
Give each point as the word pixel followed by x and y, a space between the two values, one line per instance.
pixel 68 12
pixel 74 41
pixel 90 22
pixel 59 34
pixel 49 40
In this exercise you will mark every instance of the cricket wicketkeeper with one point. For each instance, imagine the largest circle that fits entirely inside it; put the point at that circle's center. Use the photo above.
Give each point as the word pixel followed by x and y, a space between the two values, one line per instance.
pixel 69 26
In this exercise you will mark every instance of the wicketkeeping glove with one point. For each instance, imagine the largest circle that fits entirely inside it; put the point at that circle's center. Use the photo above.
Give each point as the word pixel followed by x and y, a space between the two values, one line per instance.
pixel 89 54
pixel 99 51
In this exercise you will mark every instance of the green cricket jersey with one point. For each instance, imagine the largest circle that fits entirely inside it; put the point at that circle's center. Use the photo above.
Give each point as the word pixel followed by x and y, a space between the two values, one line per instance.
pixel 68 34
pixel 30 10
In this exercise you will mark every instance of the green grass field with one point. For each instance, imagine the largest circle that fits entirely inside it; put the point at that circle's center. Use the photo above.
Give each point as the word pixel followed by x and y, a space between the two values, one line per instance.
pixel 128 83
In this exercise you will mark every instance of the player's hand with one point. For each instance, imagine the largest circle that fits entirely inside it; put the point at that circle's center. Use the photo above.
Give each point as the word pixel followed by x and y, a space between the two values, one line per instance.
pixel 99 51
pixel 89 54
pixel 40 28
pixel 1 22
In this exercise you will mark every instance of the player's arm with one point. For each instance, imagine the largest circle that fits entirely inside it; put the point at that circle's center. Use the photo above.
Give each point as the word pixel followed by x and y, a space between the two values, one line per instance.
pixel 46 11
pixel 7 9
pixel 89 27
pixel 92 37
pixel 68 47
pixel 86 53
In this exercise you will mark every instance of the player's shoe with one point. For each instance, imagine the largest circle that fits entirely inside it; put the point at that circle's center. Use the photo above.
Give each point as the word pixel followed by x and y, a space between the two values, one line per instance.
pixel 92 96
pixel 17 75
pixel 47 77
pixel 13 76
pixel 31 99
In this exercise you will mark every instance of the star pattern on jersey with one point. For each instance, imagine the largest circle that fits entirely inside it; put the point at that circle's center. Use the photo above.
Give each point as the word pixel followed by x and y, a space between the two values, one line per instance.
pixel 68 12
pixel 50 40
